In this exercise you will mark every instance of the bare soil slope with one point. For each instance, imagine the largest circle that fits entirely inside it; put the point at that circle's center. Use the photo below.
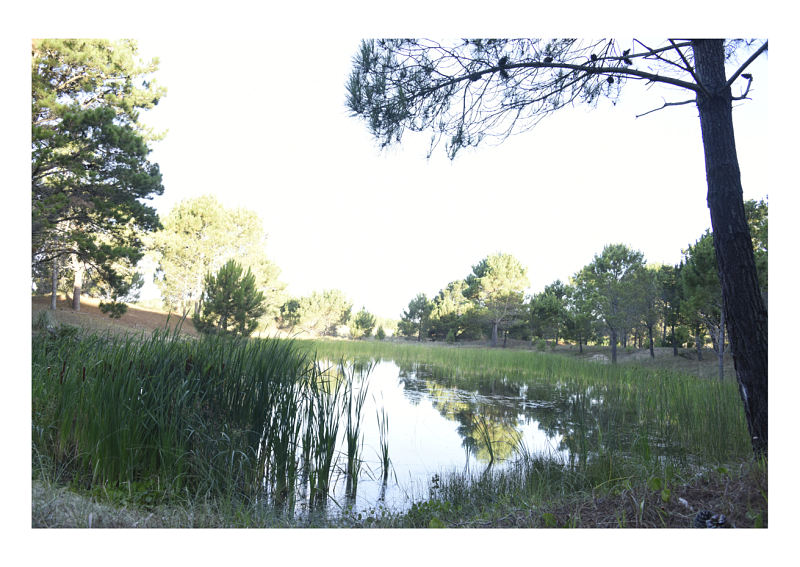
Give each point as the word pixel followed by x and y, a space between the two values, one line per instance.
pixel 135 320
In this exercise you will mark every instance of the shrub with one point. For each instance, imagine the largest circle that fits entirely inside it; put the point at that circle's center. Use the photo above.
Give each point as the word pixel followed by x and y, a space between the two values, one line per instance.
pixel 114 309
pixel 451 337
pixel 380 334
pixel 541 344
pixel 361 324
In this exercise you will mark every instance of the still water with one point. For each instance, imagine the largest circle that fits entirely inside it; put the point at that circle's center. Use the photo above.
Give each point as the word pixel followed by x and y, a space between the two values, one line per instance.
pixel 440 421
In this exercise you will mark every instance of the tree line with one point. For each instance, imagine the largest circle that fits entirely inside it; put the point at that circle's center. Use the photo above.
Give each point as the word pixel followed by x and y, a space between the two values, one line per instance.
pixel 616 299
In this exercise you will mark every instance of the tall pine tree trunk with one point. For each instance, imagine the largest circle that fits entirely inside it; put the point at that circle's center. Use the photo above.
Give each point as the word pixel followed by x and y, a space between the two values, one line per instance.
pixel 77 268
pixel 674 342
pixel 54 293
pixel 613 346
pixel 743 302
pixel 721 344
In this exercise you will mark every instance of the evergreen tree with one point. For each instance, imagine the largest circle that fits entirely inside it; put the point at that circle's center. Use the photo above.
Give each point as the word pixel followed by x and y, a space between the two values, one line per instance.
pixel 450 311
pixel 230 299
pixel 496 286
pixel 318 312
pixel 650 293
pixel 89 166
pixel 578 317
pixel 608 283
pixel 416 316
pixel 361 324
pixel 200 235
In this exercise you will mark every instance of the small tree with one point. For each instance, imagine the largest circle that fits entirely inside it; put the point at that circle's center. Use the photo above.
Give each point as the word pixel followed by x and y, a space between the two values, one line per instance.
pixel 380 334
pixel 230 299
pixel 496 286
pixel 414 319
pixel 362 324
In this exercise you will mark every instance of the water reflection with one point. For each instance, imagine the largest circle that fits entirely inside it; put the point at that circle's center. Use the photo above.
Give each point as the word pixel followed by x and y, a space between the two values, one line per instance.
pixel 441 420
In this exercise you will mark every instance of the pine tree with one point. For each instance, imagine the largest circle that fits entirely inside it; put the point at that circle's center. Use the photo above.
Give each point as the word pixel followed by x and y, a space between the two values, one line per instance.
pixel 89 166
pixel 230 299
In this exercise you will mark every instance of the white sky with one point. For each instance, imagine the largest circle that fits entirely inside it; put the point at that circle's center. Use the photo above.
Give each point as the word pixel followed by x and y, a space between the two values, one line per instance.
pixel 266 128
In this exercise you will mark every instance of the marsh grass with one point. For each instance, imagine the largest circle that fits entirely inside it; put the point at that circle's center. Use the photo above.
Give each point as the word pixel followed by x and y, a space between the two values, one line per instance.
pixel 219 416
pixel 383 431
pixel 353 409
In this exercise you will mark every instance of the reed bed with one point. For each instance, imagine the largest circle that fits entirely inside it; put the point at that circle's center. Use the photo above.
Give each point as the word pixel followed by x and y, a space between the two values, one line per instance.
pixel 216 416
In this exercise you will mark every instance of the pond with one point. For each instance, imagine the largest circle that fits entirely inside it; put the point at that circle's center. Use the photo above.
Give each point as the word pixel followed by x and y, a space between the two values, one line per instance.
pixel 440 421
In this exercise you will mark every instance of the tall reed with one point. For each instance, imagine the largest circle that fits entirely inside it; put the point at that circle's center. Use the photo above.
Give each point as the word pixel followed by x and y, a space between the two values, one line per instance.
pixel 353 406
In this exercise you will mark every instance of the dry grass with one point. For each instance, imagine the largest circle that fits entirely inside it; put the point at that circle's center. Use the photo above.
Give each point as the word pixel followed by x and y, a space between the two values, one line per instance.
pixel 741 496
pixel 135 320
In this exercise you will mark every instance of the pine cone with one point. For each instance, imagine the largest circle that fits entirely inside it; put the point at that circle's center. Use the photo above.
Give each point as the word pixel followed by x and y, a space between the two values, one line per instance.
pixel 707 519
pixel 702 517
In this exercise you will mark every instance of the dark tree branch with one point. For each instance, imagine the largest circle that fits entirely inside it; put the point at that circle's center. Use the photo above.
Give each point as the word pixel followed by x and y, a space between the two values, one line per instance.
pixel 744 66
pixel 666 104
pixel 690 69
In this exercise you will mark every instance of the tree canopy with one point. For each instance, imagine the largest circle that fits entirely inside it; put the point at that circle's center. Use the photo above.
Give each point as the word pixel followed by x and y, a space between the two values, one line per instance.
pixel 319 312
pixel 89 162
pixel 230 299
pixel 609 284
pixel 200 235
pixel 414 318
pixel 496 285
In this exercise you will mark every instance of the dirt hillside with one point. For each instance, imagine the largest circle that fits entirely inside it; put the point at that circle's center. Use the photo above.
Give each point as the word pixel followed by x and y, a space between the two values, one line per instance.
pixel 135 320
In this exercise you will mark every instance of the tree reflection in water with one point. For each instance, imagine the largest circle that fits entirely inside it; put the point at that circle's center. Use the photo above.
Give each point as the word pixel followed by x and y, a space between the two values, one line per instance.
pixel 577 420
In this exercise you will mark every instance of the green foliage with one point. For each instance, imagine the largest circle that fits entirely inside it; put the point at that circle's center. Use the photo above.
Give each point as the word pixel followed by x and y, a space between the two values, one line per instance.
pixel 422 85
pixel 212 417
pixel 89 159
pixel 114 309
pixel 318 312
pixel 415 317
pixel 451 312
pixel 757 219
pixel 429 514
pixel 380 334
pixel 230 299
pixel 200 235
pixel 496 286
pixel 546 311
pixel 361 324
pixel 451 337
pixel 611 287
